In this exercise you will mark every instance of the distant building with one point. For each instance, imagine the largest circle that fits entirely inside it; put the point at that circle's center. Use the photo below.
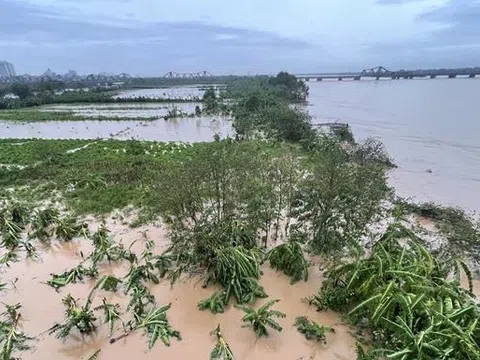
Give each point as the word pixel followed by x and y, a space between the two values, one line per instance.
pixel 6 69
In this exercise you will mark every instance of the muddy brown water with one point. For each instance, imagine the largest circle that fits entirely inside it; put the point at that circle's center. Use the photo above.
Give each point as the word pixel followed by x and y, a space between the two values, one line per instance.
pixel 42 307
pixel 180 129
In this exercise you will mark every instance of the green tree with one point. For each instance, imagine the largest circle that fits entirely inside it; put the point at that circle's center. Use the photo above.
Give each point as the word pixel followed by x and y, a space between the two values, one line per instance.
pixel 20 90
pixel 293 88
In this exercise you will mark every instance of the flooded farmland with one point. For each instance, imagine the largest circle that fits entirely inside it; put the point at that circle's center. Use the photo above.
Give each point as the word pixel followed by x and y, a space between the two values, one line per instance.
pixel 195 326
pixel 178 92
pixel 140 110
pixel 179 129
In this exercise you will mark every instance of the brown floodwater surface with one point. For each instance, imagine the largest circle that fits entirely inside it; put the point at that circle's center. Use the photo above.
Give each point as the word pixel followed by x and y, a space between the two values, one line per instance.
pixel 42 307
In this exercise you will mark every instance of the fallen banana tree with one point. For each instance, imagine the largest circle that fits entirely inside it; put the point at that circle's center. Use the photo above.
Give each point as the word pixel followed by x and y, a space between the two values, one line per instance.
pixel 412 303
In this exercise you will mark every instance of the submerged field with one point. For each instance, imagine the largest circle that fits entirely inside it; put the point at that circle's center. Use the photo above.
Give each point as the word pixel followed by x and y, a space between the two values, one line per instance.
pixel 108 111
pixel 188 204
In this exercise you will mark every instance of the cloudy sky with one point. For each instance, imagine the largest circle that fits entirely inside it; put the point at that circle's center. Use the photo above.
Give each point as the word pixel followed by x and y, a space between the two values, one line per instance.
pixel 151 37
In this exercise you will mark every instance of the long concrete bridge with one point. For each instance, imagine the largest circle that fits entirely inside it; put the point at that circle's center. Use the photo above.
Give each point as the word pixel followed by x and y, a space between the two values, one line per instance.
pixel 380 72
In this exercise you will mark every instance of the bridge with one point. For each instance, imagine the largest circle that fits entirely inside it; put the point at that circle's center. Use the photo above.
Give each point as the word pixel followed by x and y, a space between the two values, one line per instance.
pixel 194 75
pixel 380 72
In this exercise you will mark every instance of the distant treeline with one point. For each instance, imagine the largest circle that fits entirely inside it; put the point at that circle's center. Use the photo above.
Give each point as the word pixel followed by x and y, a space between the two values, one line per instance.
pixel 31 95
pixel 441 72
pixel 166 82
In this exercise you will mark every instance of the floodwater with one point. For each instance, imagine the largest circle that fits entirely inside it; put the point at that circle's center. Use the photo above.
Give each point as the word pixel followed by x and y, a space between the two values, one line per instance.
pixel 195 129
pixel 430 127
pixel 127 110
pixel 176 92
pixel 42 307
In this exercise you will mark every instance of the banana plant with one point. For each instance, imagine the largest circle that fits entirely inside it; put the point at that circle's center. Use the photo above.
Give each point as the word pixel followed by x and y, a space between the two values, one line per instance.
pixel 67 228
pixel 140 299
pixel 138 273
pixel 13 220
pixel 311 330
pixel 72 276
pixel 108 283
pixel 8 257
pixel 42 223
pixel 12 339
pixel 155 324
pixel 221 350
pixel 289 258
pixel 107 249
pixel 77 317
pixel 111 313
pixel 412 301
pixel 262 318
pixel 215 303
pixel 237 270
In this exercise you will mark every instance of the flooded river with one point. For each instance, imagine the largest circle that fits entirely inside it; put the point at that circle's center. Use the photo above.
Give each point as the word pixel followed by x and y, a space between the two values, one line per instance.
pixel 430 127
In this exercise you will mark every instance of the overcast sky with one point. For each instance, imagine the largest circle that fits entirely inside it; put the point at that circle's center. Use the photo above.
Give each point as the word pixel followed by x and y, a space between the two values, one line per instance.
pixel 151 37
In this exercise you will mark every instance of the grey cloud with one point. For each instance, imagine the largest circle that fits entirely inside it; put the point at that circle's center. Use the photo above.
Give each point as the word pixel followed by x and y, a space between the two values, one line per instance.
pixel 37 37
pixel 460 20
pixel 455 41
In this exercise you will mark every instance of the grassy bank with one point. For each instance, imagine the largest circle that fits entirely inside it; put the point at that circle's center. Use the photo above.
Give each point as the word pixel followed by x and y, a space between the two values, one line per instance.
pixel 37 115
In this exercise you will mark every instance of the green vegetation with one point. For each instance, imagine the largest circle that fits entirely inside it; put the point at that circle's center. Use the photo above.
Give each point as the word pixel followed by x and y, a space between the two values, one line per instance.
pixel 72 276
pixel 215 303
pixel 289 257
pixel 12 339
pixel 33 97
pixel 312 330
pixel 209 99
pixel 79 317
pixel 411 302
pixel 155 325
pixel 222 350
pixel 111 313
pixel 262 318
pixel 38 115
